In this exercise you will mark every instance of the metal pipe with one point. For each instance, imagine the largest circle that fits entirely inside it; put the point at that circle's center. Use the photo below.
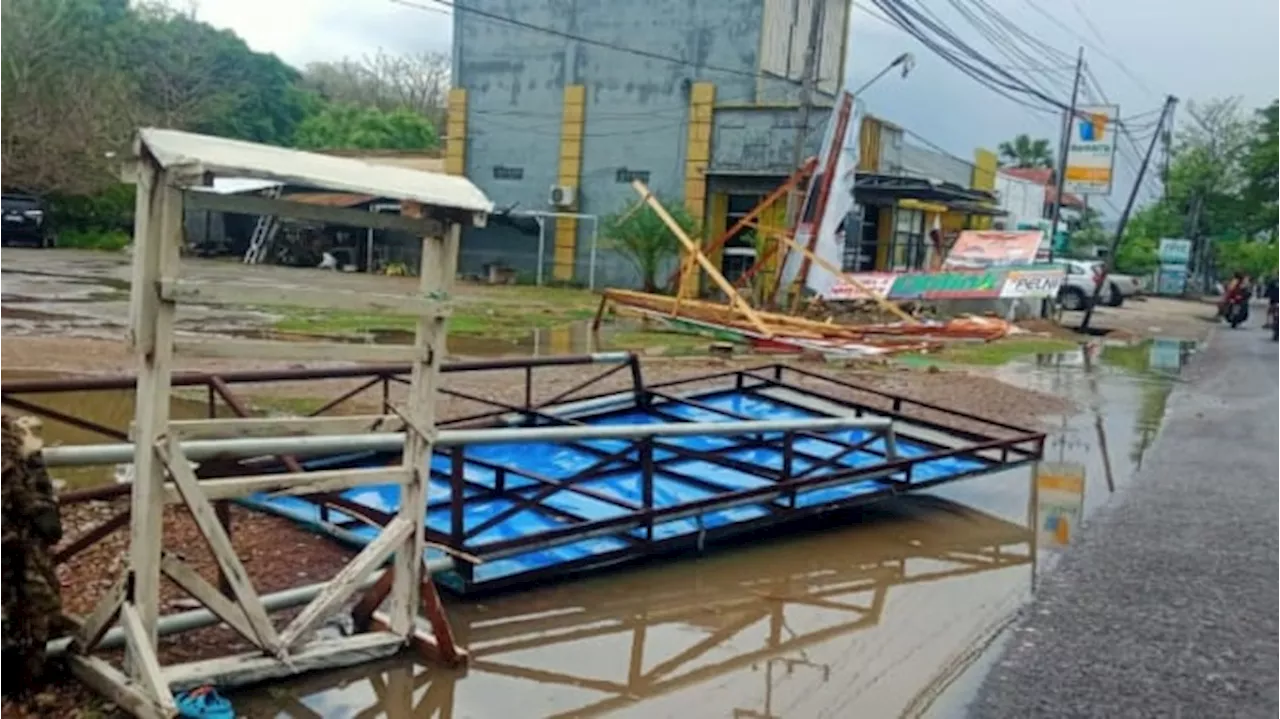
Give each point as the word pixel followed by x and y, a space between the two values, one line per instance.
pixel 201 450
pixel 198 618
pixel 187 379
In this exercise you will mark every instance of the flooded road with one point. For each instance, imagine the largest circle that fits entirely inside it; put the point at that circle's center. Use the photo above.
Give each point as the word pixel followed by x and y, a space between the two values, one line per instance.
pixel 890 611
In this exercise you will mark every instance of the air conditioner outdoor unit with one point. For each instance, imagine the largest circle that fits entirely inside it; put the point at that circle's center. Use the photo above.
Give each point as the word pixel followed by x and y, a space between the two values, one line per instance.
pixel 562 196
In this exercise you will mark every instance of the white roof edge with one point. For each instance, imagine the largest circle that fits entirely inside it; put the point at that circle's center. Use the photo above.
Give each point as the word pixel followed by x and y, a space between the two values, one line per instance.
pixel 237 158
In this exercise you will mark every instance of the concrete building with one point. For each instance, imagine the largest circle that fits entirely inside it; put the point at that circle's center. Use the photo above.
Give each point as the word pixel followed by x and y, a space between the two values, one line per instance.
pixel 549 125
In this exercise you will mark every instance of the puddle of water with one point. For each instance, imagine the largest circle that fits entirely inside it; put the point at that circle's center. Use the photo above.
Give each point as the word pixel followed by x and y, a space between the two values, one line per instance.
pixel 113 408
pixel 573 338
pixel 899 610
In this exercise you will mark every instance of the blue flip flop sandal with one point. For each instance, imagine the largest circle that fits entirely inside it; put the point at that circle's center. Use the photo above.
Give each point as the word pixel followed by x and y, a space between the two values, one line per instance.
pixel 204 703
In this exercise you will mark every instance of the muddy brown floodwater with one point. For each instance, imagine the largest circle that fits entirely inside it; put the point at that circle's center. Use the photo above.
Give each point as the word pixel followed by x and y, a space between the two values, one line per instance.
pixel 887 611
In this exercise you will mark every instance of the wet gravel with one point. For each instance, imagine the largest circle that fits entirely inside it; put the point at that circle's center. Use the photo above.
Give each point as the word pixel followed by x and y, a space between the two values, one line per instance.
pixel 1167 607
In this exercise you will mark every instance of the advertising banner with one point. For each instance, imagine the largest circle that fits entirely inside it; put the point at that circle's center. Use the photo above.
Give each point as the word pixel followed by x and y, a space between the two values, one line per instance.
pixel 980 249
pixel 1018 281
pixel 1091 150
pixel 1174 251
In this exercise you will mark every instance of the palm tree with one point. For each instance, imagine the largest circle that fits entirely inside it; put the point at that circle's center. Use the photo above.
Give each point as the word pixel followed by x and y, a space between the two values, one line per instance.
pixel 645 240
pixel 1025 152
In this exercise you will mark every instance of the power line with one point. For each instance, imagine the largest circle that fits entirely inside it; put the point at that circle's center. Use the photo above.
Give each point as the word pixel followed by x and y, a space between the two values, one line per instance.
pixel 1090 44
pixel 587 40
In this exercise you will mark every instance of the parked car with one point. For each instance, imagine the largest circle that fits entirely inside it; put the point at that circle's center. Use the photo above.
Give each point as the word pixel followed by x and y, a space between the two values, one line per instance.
pixel 1084 275
pixel 25 221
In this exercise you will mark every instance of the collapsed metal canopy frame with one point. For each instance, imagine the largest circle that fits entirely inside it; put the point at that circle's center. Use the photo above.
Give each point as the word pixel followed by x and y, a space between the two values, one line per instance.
pixel 168 166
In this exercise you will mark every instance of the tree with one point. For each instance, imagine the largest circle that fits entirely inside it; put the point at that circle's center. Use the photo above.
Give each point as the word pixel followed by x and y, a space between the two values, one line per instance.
pixel 1261 170
pixel 418 82
pixel 1026 152
pixel 645 240
pixel 349 127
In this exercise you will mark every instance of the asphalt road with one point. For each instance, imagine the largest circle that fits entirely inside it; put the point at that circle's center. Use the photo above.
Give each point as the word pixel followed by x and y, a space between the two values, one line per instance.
pixel 1167 607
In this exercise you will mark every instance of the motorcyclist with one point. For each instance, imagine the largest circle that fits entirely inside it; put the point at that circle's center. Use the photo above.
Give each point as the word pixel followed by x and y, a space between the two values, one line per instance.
pixel 1273 307
pixel 1237 289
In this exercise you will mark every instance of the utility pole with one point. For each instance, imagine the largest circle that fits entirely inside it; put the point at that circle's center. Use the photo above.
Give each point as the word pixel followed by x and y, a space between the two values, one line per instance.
pixel 1061 174
pixel 1110 261
pixel 808 83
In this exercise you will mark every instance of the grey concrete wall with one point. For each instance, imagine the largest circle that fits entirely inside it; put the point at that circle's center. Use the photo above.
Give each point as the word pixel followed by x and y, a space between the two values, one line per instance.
pixel 761 141
pixel 636 107
pixel 923 162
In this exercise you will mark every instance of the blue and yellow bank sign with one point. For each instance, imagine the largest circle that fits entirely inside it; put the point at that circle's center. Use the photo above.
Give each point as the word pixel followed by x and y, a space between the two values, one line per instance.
pixel 1091 150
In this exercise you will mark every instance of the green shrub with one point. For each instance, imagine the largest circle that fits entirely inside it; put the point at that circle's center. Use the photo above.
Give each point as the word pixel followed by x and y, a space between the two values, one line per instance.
pixel 111 241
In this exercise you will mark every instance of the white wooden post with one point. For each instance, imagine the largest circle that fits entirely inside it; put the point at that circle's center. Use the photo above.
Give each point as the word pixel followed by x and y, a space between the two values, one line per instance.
pixel 436 274
pixel 157 238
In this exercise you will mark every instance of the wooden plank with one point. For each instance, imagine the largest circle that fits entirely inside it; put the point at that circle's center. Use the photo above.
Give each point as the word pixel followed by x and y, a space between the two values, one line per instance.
pixel 208 595
pixel 234 427
pixel 436 274
pixel 115 686
pixel 347 581
pixel 735 299
pixel 157 245
pixel 233 570
pixel 252 667
pixel 423 642
pixel 144 656
pixel 252 205
pixel 884 303
pixel 220 293
pixel 301 351
pixel 100 619
pixel 298 483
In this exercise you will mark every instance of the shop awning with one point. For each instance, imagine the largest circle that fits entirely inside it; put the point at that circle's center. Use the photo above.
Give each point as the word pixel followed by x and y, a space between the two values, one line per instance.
pixel 875 189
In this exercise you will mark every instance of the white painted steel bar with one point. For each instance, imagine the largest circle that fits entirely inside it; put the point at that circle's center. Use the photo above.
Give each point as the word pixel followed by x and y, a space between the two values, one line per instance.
pixel 199 450
pixel 198 618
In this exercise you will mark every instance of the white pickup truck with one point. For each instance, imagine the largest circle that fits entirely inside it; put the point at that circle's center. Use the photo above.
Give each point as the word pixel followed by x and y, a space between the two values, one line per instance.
pixel 1084 275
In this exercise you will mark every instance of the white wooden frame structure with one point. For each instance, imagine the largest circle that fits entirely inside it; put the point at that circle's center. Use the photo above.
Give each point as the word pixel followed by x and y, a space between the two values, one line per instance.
pixel 169 165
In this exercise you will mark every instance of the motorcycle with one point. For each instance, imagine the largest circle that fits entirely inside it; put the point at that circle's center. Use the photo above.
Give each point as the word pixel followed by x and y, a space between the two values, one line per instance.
pixel 1237 309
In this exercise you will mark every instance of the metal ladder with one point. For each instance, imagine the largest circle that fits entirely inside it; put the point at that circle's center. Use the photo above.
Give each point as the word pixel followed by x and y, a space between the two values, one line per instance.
pixel 263 232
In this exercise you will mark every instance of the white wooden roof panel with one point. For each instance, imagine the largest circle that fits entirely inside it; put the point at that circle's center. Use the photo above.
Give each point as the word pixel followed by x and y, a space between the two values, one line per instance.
pixel 222 156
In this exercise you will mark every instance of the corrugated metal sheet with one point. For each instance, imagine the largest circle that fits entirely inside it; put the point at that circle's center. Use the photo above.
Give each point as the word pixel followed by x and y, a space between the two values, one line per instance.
pixel 237 185
pixel 220 156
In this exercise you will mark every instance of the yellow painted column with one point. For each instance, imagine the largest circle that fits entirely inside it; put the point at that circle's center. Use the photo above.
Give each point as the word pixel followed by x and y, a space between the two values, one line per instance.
pixel 884 238
pixel 702 98
pixel 455 133
pixel 569 174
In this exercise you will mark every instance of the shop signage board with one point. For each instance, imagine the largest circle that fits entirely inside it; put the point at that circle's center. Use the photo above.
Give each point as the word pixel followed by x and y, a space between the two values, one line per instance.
pixel 1091 150
pixel 879 283
pixel 1033 283
pixel 1174 251
pixel 1171 280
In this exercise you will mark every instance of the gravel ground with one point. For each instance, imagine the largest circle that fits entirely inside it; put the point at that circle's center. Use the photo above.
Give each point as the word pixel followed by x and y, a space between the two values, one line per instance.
pixel 1167 607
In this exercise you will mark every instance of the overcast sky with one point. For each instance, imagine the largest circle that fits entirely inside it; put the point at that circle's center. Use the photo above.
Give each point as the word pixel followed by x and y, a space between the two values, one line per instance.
pixel 1139 50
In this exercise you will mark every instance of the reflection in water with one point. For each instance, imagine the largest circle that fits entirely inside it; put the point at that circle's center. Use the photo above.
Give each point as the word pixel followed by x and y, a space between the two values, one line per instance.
pixel 877 616
pixel 109 408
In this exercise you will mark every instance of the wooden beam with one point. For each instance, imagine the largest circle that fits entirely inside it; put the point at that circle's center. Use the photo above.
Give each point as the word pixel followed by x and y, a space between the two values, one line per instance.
pixel 219 293
pixel 253 205
pixel 884 303
pixel 427 645
pixel 252 667
pixel 144 657
pixel 100 619
pixel 302 351
pixel 118 688
pixel 282 426
pixel 157 245
pixel 233 570
pixel 208 595
pixel 735 299
pixel 296 483
pixel 347 581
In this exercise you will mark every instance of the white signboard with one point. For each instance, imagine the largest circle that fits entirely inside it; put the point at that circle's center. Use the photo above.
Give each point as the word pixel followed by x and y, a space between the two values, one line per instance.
pixel 1091 150
pixel 879 283
pixel 1035 283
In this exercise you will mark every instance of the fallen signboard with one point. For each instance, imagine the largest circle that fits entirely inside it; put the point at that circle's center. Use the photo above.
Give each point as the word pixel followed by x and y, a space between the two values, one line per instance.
pixel 981 249
pixel 1012 282
pixel 1033 283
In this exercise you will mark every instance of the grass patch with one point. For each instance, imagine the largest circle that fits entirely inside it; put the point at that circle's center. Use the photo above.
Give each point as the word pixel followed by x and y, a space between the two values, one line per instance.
pixel 1001 351
pixel 478 320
